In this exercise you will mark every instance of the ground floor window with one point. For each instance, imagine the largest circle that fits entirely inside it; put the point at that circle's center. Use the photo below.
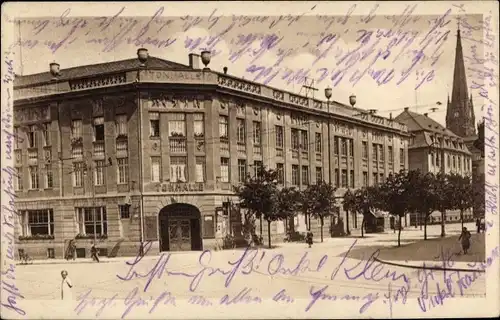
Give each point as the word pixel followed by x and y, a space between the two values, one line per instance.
pixel 92 220
pixel 37 222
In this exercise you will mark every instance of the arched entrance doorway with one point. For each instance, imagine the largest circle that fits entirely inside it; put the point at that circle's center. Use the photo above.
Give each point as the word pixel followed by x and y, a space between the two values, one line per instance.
pixel 180 228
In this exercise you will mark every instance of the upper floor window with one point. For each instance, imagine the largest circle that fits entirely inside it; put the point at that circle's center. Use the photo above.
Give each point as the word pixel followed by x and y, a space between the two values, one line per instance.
pixel 76 128
pixel 78 169
pixel 223 127
pixel 319 174
pixel 402 156
pixel 381 152
pixel 99 173
pixel 304 143
pixel 256 133
pixel 350 145
pixel 344 146
pixel 154 124
pixel 242 170
pixel 224 169
pixel 279 137
pixel 178 169
pixel 374 151
pixel 336 145
pixel 121 124
pixel 99 129
pixel 240 131
pixel 155 169
pixel 364 151
pixel 46 134
pixel 34 182
pixel 295 139
pixel 17 140
pixel 31 136
pixel 391 154
pixel 200 169
pixel 317 138
pixel 257 166
pixel 122 170
pixel 280 170
pixel 199 125
pixel 305 175
pixel 295 175
pixel 177 125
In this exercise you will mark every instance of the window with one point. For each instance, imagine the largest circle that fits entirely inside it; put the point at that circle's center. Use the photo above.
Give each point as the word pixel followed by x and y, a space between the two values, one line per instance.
pixel 46 134
pixel 31 137
pixel 374 151
pixel 200 169
pixel 223 127
pixel 92 221
pixel 224 169
pixel 448 161
pixel 208 226
pixel 350 145
pixel 295 139
pixel 121 124
pixel 317 138
pixel 365 179
pixel 351 177
pixel 18 181
pixel 344 178
pixel 391 154
pixel 336 178
pixel 178 169
pixel 33 177
pixel 155 169
pixel 256 133
pixel 402 156
pixel 154 124
pixel 459 163
pixel 124 210
pixel 76 129
pixel 17 140
pixel 364 151
pixel 381 178
pixel 375 178
pixel 305 175
pixel 78 174
pixel 99 173
pixel 319 174
pixel 99 129
pixel 257 165
pixel 240 131
pixel 242 170
pixel 122 170
pixel 437 159
pixel 344 147
pixel 336 145
pixel 199 125
pixel 454 162
pixel 381 152
pixel 304 143
pixel 295 175
pixel 280 169
pixel 177 125
pixel 37 222
pixel 279 137
pixel 49 176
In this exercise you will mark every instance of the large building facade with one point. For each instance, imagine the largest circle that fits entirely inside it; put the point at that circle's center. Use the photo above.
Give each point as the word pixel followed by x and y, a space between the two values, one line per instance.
pixel 147 150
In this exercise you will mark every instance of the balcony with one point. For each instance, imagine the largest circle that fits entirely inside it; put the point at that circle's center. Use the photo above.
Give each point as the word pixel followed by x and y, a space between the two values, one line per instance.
pixel 98 148
pixel 32 154
pixel 177 145
pixel 122 148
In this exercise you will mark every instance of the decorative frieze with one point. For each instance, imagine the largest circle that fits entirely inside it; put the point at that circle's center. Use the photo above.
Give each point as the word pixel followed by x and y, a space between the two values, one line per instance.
pixel 278 95
pixel 298 119
pixel 343 129
pixel 303 101
pixel 31 114
pixel 165 101
pixel 239 85
pixel 97 82
pixel 377 136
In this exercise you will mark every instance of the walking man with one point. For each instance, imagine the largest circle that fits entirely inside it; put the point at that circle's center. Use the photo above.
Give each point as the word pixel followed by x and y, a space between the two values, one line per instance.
pixel 465 237
pixel 66 286
pixel 93 253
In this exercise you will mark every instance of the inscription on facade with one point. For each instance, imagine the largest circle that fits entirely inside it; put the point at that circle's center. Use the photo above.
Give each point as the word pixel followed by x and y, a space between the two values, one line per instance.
pixel 176 76
pixel 175 102
pixel 180 187
pixel 31 114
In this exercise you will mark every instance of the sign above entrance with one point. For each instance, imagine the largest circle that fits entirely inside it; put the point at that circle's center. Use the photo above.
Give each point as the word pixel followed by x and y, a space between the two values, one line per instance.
pixel 180 187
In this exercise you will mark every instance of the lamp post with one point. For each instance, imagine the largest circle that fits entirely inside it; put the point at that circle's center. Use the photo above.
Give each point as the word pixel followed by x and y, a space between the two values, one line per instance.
pixel 328 95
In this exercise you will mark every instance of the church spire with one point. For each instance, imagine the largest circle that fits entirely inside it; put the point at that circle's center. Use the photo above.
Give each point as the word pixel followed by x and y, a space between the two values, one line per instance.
pixel 460 112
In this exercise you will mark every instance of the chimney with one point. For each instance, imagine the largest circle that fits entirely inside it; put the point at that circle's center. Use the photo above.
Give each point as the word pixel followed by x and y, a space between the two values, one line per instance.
pixel 390 116
pixel 54 69
pixel 407 108
pixel 426 114
pixel 142 56
pixel 194 61
pixel 225 70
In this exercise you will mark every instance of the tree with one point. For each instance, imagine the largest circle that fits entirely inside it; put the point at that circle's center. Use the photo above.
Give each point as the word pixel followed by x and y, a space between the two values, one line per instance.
pixel 286 205
pixel 348 204
pixel 365 200
pixel 394 196
pixel 445 197
pixel 424 195
pixel 318 200
pixel 463 194
pixel 258 195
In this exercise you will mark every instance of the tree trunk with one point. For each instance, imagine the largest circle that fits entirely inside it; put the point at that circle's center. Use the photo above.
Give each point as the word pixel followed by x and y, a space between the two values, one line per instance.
pixel 420 220
pixel 308 219
pixel 363 227
pixel 462 217
pixel 261 227
pixel 269 232
pixel 347 223
pixel 425 227
pixel 399 232
pixel 322 223
pixel 443 217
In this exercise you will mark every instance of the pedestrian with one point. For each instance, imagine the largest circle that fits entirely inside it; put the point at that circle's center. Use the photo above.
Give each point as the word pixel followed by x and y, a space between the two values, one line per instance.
pixel 465 238
pixel 66 286
pixel 309 238
pixel 478 225
pixel 93 253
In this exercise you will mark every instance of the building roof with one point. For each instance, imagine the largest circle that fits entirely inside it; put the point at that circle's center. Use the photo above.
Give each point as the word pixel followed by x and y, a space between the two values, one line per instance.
pixel 418 122
pixel 98 69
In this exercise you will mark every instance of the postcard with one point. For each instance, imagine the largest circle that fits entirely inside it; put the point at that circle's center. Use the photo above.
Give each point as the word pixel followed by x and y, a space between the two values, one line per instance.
pixel 253 159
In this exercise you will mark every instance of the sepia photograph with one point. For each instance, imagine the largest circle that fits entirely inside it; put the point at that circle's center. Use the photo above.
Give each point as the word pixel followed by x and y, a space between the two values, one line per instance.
pixel 311 159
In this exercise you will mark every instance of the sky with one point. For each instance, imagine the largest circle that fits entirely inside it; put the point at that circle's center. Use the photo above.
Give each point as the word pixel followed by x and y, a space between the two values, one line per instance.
pixel 402 59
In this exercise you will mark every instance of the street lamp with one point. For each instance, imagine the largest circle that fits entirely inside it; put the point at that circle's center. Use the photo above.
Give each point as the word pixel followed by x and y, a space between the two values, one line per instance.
pixel 328 95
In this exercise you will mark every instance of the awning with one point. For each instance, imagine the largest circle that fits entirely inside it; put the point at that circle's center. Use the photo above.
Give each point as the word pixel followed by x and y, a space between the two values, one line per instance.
pixel 378 213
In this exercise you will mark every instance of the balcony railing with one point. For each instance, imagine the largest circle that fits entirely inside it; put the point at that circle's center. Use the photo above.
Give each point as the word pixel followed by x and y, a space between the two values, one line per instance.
pixel 99 148
pixel 32 154
pixel 177 145
pixel 122 147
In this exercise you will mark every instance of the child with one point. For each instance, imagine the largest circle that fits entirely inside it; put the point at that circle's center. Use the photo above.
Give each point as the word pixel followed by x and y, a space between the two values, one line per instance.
pixel 465 237
pixel 66 286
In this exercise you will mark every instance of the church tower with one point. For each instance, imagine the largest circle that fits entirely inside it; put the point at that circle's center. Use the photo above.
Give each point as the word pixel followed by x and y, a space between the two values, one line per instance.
pixel 460 110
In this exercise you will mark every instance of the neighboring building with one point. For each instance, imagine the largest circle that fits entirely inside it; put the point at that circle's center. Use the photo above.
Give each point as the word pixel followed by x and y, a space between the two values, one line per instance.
pixel 148 149
pixel 460 117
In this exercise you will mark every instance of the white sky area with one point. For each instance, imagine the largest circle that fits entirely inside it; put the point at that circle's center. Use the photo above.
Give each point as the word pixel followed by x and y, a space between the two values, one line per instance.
pixel 84 39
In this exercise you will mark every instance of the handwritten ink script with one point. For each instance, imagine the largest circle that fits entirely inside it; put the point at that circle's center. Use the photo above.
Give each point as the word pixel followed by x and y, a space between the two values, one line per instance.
pixel 346 48
pixel 11 296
